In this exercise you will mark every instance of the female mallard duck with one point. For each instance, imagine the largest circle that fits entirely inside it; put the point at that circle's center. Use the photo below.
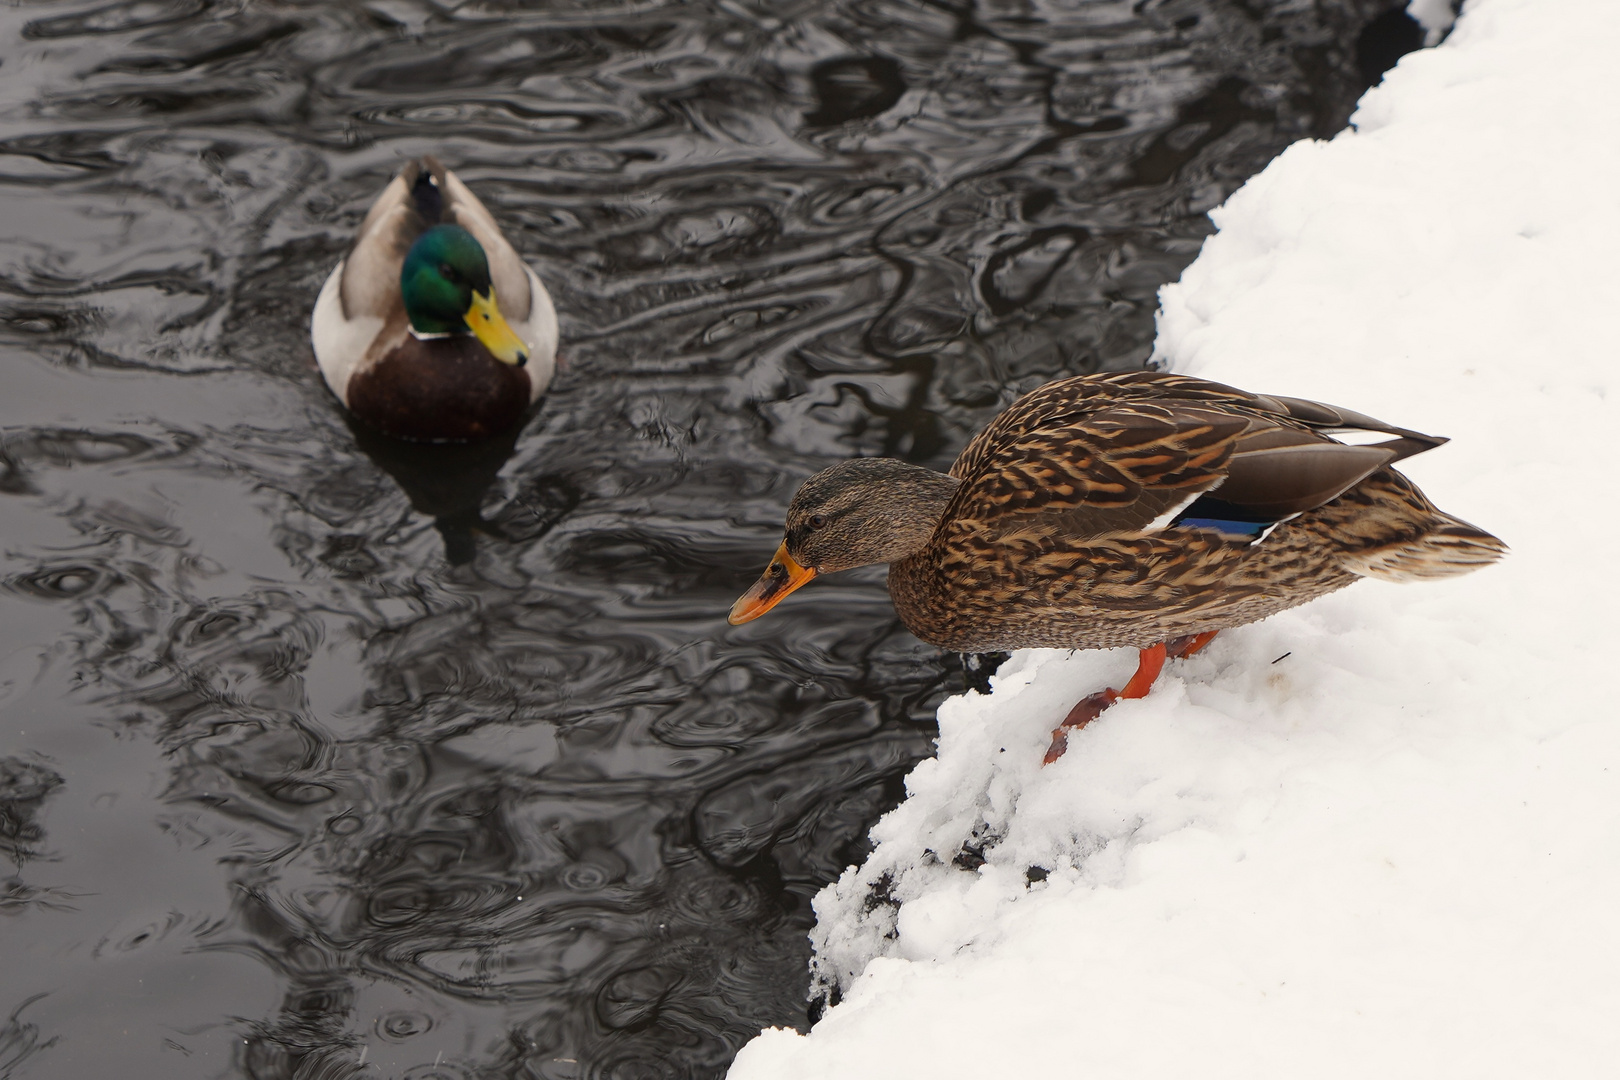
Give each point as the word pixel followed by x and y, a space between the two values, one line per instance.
pixel 1143 509
pixel 407 330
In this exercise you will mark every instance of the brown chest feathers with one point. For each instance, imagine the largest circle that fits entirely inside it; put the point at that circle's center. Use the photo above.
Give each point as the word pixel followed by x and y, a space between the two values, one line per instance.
pixel 439 390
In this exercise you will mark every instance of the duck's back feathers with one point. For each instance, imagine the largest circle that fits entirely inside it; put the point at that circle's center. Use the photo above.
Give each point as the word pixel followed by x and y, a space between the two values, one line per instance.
pixel 423 195
pixel 1117 454
pixel 506 270
pixel 368 277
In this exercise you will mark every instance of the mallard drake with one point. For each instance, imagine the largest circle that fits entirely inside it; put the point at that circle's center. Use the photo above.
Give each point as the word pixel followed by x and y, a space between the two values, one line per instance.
pixel 1144 509
pixel 407 330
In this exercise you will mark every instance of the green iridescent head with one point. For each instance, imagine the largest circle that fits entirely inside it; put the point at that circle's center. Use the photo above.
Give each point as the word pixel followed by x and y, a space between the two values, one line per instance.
pixel 447 290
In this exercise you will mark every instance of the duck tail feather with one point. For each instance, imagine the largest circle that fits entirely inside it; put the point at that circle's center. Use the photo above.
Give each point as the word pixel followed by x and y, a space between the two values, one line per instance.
pixel 1450 547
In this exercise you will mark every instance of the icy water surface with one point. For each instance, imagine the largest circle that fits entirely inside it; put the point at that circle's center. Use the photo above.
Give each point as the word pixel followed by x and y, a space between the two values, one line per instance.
pixel 326 758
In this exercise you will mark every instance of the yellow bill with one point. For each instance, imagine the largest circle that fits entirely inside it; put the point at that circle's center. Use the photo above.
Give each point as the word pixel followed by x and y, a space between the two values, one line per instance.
pixel 492 329
pixel 780 578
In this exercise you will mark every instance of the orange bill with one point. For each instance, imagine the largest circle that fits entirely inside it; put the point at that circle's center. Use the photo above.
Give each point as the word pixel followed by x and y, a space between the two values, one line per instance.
pixel 780 578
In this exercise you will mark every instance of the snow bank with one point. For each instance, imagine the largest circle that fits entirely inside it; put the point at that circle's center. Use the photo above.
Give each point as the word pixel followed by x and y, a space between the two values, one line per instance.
pixel 1377 835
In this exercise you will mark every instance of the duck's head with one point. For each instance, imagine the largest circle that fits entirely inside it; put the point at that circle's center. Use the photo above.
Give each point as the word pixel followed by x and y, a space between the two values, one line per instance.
pixel 868 510
pixel 447 290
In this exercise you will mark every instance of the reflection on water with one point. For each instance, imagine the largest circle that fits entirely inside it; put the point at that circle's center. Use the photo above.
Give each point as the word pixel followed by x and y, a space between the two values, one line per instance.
pixel 447 483
pixel 327 757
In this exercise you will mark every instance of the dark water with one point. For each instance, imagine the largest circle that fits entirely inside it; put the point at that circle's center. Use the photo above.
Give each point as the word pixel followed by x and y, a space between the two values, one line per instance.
pixel 323 758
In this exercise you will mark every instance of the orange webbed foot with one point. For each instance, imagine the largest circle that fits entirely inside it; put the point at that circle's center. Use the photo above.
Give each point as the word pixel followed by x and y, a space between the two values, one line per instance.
pixel 1090 707
pixel 1182 647
pixel 1149 663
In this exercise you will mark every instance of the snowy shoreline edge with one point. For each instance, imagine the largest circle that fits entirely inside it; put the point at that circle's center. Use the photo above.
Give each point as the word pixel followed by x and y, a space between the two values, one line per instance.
pixel 1380 832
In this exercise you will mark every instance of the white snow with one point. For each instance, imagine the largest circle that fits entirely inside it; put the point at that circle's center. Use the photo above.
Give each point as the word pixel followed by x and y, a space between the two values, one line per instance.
pixel 1435 16
pixel 1378 835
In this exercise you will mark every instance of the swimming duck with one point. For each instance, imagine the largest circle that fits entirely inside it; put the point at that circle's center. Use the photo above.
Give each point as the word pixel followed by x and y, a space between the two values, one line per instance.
pixel 1141 509
pixel 407 329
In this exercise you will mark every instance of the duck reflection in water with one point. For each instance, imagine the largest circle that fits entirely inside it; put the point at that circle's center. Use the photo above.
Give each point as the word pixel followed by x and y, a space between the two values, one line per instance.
pixel 445 481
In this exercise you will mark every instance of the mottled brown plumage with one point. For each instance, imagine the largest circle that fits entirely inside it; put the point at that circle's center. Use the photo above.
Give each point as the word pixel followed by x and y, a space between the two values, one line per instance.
pixel 1054 526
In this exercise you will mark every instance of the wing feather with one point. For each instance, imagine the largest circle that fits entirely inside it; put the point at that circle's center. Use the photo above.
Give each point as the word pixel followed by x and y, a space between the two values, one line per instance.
pixel 1095 455
pixel 506 270
pixel 370 283
pixel 369 287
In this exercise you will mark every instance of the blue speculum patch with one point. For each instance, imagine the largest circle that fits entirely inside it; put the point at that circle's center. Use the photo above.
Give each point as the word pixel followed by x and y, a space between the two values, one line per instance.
pixel 1236 528
pixel 1208 512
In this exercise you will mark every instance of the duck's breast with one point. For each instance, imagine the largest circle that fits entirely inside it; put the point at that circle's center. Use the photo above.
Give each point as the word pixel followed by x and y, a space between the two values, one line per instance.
pixel 439 390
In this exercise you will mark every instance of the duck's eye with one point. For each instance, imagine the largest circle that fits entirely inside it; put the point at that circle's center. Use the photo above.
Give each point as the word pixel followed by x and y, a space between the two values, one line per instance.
pixel 447 271
pixel 817 520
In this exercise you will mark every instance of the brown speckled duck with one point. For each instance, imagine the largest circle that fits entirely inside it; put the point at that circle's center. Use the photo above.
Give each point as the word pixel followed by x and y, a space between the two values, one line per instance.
pixel 431 328
pixel 1143 509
